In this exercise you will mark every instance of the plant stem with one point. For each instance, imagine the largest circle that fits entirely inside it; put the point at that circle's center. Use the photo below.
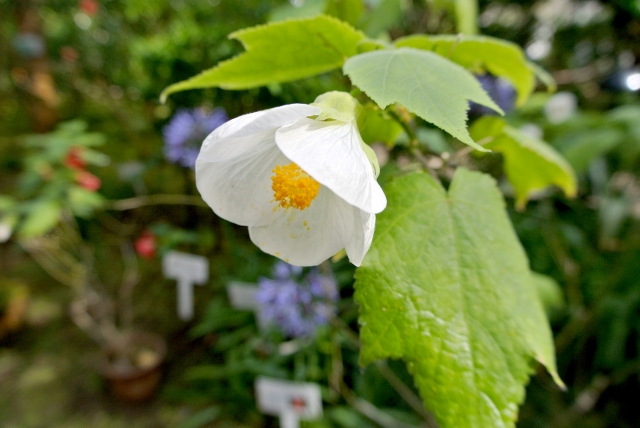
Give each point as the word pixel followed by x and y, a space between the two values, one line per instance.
pixel 414 142
pixel 161 199
pixel 406 393
pixel 361 405
pixel 129 280
pixel 396 383
pixel 371 411
pixel 413 138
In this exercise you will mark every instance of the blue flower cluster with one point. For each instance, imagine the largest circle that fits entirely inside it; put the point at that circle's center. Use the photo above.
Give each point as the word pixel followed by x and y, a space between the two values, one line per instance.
pixel 186 131
pixel 295 303
pixel 500 91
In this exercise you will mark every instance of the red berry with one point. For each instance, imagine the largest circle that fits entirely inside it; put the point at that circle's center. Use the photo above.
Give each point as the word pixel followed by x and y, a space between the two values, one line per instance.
pixel 88 181
pixel 69 54
pixel 90 7
pixel 146 245
pixel 74 158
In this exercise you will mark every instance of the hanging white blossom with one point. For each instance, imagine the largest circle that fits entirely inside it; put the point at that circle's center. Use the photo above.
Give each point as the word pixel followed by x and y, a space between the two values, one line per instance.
pixel 299 176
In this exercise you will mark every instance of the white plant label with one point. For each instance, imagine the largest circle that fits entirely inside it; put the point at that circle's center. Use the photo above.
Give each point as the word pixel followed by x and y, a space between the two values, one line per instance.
pixel 188 270
pixel 291 401
pixel 242 295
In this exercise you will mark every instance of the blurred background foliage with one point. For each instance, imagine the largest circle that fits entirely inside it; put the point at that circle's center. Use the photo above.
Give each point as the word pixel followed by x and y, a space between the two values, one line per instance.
pixel 98 67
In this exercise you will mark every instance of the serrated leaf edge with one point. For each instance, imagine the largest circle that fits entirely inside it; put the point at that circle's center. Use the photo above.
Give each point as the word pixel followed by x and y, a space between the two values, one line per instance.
pixel 238 35
pixel 465 139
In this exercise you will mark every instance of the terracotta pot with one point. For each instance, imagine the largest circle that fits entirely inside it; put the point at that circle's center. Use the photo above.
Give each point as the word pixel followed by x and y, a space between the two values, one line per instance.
pixel 132 369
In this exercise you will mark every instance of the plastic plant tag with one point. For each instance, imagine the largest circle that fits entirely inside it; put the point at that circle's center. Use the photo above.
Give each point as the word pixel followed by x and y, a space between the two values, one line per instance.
pixel 188 270
pixel 291 401
pixel 242 295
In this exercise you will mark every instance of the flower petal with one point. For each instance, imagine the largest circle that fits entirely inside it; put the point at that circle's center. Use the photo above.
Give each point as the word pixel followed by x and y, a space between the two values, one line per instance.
pixel 308 237
pixel 330 152
pixel 239 190
pixel 365 225
pixel 245 133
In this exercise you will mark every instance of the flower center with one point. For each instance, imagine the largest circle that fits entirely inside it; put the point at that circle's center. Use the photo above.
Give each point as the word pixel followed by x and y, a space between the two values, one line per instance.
pixel 292 187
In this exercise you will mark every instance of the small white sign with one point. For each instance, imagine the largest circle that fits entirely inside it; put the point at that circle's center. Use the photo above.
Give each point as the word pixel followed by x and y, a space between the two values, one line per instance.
pixel 242 295
pixel 188 270
pixel 291 401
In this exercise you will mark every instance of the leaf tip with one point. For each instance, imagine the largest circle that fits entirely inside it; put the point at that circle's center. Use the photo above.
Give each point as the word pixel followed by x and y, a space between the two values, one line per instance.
pixel 553 372
pixel 558 381
pixel 544 76
pixel 498 110
pixel 560 384
pixel 476 145
pixel 163 96
pixel 571 191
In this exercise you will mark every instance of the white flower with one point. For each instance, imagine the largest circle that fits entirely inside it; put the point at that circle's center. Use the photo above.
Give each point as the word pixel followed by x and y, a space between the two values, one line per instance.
pixel 305 187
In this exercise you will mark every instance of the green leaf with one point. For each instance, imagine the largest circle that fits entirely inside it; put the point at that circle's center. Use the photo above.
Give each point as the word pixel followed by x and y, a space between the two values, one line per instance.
pixel 345 10
pixel 550 293
pixel 386 15
pixel 427 84
pixel 93 157
pixel 6 203
pixel 530 164
pixel 446 286
pixel 10 220
pixel 376 125
pixel 213 372
pixel 279 52
pixel 249 365
pixel 83 202
pixel 368 45
pixel 433 139
pixel 626 114
pixel 202 418
pixel 41 218
pixel 481 53
pixel 308 9
pixel 581 148
pixel 346 417
pixel 544 76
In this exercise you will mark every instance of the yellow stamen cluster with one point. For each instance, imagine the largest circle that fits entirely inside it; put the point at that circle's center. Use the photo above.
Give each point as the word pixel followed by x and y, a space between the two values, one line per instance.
pixel 292 187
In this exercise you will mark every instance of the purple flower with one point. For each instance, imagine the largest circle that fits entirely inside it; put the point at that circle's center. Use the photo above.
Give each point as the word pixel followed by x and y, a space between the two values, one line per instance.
pixel 297 304
pixel 500 91
pixel 186 131
pixel 284 271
